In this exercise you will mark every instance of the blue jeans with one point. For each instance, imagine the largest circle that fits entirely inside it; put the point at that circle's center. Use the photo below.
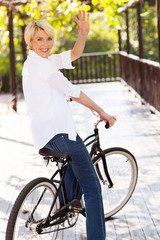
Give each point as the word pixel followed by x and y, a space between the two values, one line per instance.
pixel 82 170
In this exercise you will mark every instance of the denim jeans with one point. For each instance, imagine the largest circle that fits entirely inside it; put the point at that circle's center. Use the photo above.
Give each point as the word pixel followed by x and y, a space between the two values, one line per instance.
pixel 82 170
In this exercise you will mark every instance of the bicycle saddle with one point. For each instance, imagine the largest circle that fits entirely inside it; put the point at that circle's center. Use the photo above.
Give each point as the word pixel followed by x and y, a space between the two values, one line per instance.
pixel 50 153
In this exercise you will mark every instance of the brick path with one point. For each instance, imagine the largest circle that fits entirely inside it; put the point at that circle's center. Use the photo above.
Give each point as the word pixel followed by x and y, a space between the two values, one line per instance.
pixel 136 129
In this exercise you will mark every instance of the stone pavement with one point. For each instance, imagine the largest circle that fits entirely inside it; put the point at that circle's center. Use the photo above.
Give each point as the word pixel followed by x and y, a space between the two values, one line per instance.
pixel 136 129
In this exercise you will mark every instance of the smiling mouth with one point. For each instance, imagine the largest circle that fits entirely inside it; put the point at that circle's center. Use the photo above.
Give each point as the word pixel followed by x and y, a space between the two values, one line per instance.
pixel 44 50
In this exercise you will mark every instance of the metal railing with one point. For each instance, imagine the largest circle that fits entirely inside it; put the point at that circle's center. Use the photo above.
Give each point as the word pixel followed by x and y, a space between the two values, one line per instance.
pixel 143 76
pixel 94 67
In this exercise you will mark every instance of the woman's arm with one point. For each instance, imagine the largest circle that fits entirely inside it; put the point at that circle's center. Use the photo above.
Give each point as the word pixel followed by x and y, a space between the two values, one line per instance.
pixel 76 52
pixel 83 30
pixel 86 101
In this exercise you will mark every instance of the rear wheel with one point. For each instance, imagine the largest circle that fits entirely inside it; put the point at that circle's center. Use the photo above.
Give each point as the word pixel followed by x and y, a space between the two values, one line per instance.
pixel 123 171
pixel 31 208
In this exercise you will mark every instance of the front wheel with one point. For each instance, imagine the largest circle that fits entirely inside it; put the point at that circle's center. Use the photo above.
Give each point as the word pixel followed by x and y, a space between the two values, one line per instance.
pixel 31 208
pixel 123 171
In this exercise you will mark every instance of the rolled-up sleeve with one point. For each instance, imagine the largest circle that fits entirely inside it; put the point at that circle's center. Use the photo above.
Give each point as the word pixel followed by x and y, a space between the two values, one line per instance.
pixel 62 60
pixel 57 80
pixel 61 83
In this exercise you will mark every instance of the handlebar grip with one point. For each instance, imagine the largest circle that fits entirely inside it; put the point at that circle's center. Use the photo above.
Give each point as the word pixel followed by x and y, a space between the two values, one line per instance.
pixel 107 125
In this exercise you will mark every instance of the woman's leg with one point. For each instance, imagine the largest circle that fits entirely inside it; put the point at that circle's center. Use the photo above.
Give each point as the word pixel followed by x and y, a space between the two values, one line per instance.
pixel 84 172
pixel 71 186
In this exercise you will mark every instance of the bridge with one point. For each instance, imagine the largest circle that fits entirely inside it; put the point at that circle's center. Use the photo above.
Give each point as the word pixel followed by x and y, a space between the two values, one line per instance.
pixel 125 85
pixel 136 129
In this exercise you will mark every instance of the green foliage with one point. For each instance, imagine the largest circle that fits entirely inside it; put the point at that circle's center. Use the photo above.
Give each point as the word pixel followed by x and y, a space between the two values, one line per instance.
pixel 4 50
pixel 149 26
pixel 4 69
pixel 150 38
pixel 133 32
pixel 101 37
pixel 4 34
pixel 103 33
pixel 110 8
pixel 60 15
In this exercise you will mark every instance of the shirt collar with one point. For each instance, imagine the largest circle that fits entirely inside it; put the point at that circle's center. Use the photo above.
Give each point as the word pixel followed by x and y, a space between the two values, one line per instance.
pixel 33 54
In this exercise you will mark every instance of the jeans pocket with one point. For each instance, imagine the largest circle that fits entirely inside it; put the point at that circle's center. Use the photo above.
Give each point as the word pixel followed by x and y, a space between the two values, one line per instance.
pixel 58 144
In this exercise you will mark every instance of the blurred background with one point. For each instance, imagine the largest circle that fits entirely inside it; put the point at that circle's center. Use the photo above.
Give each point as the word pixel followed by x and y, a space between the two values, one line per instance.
pixel 105 21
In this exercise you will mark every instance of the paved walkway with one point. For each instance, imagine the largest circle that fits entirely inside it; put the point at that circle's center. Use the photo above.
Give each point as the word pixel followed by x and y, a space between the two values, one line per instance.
pixel 136 129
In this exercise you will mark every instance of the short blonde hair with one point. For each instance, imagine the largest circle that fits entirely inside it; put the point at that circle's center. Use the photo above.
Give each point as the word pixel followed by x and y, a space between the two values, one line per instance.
pixel 36 25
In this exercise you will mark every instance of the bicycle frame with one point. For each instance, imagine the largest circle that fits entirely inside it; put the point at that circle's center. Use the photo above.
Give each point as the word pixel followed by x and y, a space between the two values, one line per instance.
pixel 95 151
pixel 62 169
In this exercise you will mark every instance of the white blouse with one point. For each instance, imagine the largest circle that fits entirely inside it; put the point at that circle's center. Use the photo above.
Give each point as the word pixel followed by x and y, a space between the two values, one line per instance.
pixel 46 91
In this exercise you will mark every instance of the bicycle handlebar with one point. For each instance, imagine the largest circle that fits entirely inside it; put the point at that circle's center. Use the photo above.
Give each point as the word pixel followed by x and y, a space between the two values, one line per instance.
pixel 107 125
pixel 100 120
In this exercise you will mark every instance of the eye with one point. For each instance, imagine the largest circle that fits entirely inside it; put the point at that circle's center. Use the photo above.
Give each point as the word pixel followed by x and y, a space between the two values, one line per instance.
pixel 39 39
pixel 50 38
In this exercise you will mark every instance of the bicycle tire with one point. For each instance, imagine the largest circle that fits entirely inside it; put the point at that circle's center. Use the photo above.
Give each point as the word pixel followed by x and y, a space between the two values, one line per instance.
pixel 123 170
pixel 23 207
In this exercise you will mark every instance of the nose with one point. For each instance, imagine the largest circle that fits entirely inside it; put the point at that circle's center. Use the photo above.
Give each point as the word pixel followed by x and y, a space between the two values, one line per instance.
pixel 45 44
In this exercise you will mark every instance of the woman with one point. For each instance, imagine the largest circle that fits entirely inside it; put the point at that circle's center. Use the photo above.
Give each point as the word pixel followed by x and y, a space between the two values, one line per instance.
pixel 46 92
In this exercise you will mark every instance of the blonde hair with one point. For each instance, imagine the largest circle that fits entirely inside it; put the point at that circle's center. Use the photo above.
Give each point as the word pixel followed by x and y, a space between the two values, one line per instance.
pixel 36 25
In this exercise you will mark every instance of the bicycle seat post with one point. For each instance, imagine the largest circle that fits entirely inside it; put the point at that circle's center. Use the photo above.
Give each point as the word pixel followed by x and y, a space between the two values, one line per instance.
pixel 46 160
pixel 60 164
pixel 63 165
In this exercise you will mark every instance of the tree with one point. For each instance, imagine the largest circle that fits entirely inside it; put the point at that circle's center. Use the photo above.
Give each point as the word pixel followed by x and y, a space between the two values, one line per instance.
pixel 57 12
pixel 23 12
pixel 10 5
pixel 110 8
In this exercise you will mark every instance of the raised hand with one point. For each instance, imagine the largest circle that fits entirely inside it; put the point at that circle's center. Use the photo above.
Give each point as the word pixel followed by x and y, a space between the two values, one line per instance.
pixel 83 23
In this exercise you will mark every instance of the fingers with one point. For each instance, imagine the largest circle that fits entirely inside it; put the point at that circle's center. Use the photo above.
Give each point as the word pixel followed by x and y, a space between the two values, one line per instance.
pixel 76 19
pixel 87 17
pixel 82 17
pixel 114 117
pixel 112 121
pixel 107 118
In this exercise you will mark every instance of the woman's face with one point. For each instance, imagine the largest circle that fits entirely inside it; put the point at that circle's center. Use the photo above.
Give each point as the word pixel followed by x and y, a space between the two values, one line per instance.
pixel 41 43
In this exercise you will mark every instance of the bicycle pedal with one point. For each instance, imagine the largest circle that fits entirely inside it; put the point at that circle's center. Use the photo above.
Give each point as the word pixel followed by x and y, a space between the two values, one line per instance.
pixel 64 210
pixel 78 210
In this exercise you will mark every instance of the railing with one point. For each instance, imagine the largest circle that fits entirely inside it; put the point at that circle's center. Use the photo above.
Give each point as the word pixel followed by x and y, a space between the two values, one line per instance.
pixel 142 75
pixel 94 67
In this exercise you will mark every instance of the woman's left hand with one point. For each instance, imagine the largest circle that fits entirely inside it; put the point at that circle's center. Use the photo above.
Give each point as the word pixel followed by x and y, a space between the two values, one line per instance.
pixel 83 23
pixel 107 118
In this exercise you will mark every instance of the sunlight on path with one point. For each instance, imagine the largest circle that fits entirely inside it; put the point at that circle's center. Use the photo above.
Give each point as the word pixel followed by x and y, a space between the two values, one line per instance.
pixel 136 129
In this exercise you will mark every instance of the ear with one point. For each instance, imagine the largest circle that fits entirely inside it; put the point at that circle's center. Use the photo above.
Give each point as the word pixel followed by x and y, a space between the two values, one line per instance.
pixel 30 44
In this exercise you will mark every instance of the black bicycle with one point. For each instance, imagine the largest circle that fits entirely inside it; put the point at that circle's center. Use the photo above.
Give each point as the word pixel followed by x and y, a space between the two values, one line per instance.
pixel 37 213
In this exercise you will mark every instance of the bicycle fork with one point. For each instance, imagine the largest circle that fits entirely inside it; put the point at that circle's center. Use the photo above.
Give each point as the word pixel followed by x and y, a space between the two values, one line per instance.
pixel 110 185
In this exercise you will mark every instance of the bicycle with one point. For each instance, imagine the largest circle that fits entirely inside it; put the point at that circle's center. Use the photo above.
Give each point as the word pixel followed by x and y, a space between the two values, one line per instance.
pixel 37 213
